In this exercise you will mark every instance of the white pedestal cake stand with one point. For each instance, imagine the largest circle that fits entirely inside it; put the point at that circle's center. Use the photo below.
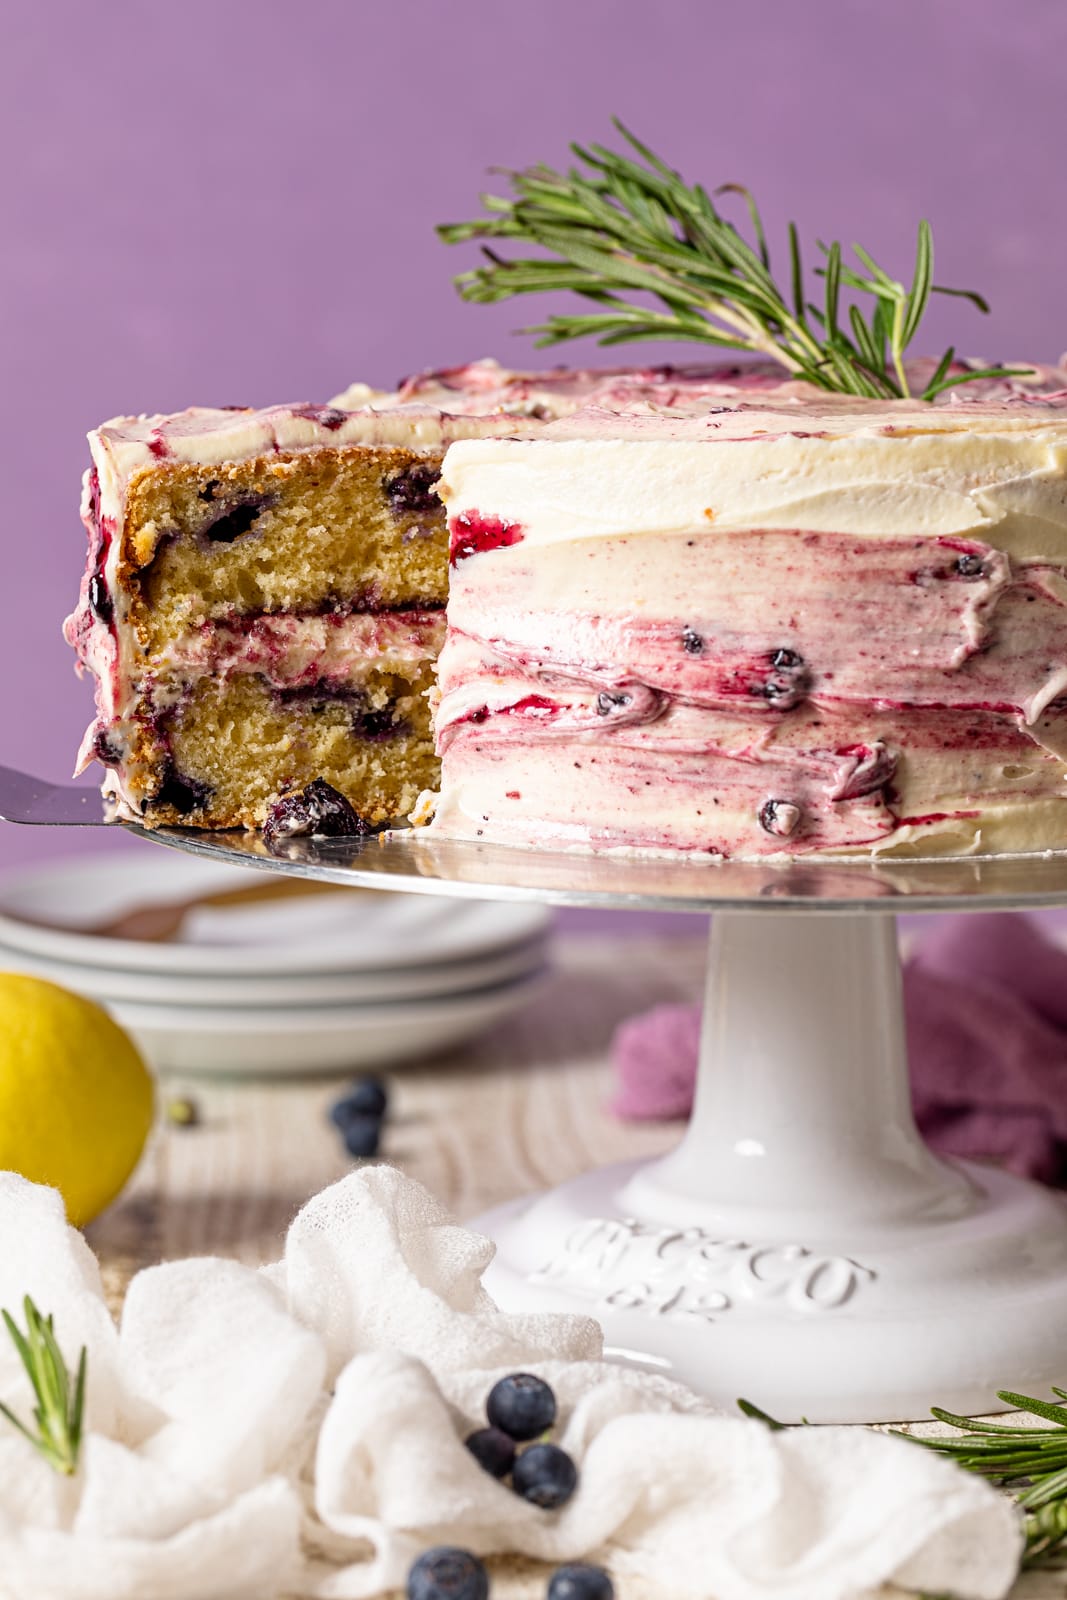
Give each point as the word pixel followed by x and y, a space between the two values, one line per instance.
pixel 801 1246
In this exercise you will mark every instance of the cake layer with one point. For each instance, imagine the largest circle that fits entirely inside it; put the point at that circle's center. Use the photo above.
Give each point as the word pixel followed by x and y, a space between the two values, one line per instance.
pixel 310 569
pixel 228 746
pixel 330 530
pixel 304 661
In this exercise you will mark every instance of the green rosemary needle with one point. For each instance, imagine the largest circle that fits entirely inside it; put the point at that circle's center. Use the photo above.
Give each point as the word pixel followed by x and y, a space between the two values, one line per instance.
pixel 60 1403
pixel 755 1414
pixel 624 228
pixel 1029 1462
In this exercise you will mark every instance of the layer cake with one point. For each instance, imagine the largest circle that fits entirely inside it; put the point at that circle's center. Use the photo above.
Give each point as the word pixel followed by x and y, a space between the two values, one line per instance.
pixel 700 610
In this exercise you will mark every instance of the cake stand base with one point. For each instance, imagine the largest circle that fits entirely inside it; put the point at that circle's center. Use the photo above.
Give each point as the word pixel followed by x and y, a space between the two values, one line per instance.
pixel 801 1247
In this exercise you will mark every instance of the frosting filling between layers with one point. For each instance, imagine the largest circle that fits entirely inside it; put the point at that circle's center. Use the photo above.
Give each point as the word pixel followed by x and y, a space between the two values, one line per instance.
pixel 294 652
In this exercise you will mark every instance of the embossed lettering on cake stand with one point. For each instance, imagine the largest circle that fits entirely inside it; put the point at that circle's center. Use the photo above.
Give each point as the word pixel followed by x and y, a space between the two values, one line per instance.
pixel 629 1265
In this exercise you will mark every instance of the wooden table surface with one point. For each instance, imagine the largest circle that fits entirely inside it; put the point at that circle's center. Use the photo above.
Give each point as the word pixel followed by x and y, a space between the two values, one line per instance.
pixel 519 1109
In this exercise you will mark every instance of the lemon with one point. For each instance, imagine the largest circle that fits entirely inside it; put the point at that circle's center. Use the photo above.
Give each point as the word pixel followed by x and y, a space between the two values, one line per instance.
pixel 75 1095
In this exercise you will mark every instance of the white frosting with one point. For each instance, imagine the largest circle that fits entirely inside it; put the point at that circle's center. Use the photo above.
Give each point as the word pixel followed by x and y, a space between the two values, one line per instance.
pixel 983 482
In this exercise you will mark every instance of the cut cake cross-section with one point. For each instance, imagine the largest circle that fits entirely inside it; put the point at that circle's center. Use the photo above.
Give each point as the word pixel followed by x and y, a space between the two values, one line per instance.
pixel 264 598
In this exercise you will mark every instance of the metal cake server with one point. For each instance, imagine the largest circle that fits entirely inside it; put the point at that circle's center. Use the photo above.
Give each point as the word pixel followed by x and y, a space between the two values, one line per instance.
pixel 416 859
pixel 57 805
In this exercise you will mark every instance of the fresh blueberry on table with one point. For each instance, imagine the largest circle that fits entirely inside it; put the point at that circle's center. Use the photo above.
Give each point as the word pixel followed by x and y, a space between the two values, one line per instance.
pixel 362 1136
pixel 580 1582
pixel 447 1573
pixel 359 1115
pixel 521 1405
pixel 493 1450
pixel 368 1097
pixel 545 1475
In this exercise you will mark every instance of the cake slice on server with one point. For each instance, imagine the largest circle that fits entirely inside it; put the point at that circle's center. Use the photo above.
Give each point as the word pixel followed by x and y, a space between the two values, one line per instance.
pixel 264 596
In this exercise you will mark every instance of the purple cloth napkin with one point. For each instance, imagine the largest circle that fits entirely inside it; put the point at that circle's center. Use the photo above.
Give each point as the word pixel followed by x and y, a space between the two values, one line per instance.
pixel 985 1000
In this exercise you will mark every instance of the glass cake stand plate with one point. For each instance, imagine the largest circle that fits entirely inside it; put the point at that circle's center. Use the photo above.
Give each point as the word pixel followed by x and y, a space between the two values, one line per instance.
pixel 801 1246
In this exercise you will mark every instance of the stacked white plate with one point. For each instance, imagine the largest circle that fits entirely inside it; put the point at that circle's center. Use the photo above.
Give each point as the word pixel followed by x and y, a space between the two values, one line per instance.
pixel 281 982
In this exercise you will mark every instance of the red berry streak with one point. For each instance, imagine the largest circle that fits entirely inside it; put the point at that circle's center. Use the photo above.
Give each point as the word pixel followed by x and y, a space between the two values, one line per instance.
pixel 471 534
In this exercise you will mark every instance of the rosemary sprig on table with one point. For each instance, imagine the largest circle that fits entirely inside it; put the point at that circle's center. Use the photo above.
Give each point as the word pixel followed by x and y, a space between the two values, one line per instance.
pixel 60 1404
pixel 1029 1462
pixel 627 227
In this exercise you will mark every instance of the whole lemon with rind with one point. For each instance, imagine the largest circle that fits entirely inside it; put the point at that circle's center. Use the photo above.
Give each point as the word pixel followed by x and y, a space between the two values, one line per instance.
pixel 76 1099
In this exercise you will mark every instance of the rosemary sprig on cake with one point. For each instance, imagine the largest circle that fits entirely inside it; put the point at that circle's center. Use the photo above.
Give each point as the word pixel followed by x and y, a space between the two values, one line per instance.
pixel 60 1398
pixel 627 228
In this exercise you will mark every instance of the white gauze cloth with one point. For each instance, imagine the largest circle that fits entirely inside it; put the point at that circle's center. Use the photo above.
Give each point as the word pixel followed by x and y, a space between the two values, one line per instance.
pixel 300 1431
pixel 198 1415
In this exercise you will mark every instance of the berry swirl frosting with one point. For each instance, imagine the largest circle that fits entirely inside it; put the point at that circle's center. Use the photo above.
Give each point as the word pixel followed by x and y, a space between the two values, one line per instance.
pixel 733 616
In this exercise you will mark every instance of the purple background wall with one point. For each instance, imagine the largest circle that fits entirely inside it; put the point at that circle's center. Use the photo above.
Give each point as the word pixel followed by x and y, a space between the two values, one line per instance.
pixel 232 201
